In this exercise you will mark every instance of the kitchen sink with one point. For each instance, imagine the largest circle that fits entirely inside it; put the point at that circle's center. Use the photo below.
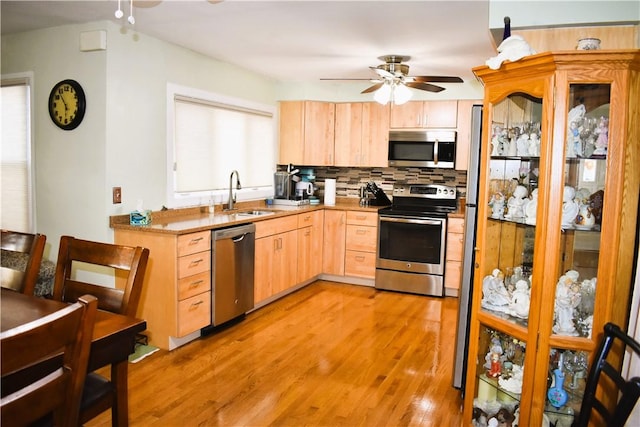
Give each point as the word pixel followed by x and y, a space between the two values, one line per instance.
pixel 248 214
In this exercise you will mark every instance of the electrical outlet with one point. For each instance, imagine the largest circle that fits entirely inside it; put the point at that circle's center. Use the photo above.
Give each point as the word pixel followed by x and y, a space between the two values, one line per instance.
pixel 117 195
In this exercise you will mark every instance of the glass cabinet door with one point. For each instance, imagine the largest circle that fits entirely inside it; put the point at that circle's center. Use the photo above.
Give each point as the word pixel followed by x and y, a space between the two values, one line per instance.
pixel 508 253
pixel 585 173
pixel 512 212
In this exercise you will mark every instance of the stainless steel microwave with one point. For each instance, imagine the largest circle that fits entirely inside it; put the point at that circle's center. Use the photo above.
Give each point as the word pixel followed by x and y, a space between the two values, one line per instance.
pixel 423 148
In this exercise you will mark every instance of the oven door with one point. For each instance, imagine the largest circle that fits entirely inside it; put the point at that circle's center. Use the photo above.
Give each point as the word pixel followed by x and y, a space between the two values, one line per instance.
pixel 411 244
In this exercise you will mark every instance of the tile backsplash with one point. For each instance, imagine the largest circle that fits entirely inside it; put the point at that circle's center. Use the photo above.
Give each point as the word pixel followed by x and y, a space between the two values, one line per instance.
pixel 349 179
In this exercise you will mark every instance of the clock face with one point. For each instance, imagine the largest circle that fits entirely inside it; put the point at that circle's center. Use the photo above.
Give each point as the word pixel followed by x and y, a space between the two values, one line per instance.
pixel 67 104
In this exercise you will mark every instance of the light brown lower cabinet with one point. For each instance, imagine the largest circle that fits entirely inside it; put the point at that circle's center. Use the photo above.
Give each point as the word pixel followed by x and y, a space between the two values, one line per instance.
pixel 176 295
pixel 361 241
pixel 310 238
pixel 455 249
pixel 276 260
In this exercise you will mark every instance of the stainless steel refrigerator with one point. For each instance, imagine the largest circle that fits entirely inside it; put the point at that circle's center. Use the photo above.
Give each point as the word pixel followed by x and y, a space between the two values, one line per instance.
pixel 470 219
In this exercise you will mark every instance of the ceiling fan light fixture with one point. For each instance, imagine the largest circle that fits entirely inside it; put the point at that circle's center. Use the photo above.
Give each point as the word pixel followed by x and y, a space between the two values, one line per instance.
pixel 383 95
pixel 401 94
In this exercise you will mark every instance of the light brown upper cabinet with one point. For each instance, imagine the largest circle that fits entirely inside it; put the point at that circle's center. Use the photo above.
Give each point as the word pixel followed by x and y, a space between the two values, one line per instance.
pixel 361 134
pixel 425 114
pixel 307 132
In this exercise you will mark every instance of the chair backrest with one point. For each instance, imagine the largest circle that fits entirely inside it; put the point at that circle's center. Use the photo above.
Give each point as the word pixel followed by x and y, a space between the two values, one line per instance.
pixel 57 389
pixel 20 272
pixel 126 260
pixel 616 396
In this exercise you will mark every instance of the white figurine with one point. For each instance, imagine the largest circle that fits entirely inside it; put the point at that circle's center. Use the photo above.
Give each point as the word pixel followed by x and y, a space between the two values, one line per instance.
pixel 532 208
pixel 567 299
pixel 497 205
pixel 569 207
pixel 512 49
pixel 494 293
pixel 517 202
pixel 534 145
pixel 520 300
pixel 575 116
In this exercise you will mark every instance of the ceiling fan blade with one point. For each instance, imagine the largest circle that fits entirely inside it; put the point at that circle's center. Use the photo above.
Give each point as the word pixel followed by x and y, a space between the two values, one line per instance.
pixel 383 73
pixel 424 86
pixel 373 88
pixel 437 79
pixel 343 79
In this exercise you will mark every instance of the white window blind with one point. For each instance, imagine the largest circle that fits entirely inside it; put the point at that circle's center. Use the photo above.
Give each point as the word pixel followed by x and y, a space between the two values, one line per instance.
pixel 212 139
pixel 15 157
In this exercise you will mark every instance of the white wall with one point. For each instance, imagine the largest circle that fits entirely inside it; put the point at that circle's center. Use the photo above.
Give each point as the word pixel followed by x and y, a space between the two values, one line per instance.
pixel 121 141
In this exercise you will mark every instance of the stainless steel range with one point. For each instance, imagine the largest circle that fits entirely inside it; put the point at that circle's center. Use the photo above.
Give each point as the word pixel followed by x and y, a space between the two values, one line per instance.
pixel 412 239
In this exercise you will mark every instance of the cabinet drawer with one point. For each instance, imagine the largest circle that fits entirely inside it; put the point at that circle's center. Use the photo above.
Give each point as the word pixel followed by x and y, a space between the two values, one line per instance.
pixel 194 264
pixel 362 218
pixel 194 313
pixel 360 264
pixel 455 225
pixel 194 285
pixel 270 227
pixel 455 242
pixel 361 238
pixel 309 218
pixel 195 242
pixel 452 274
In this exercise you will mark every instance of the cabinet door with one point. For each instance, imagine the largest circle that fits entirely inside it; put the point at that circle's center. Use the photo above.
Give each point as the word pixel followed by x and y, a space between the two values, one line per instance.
pixel 319 120
pixel 285 261
pixel 305 255
pixel 263 269
pixel 440 114
pixel 348 134
pixel 409 115
pixel 425 114
pixel 291 132
pixel 375 135
pixel 334 242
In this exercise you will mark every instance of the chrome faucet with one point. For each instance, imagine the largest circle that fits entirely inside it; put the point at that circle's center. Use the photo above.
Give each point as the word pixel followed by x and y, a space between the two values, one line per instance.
pixel 232 197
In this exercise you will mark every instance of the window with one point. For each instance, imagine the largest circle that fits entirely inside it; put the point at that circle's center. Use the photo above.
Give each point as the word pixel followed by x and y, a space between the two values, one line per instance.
pixel 209 136
pixel 16 178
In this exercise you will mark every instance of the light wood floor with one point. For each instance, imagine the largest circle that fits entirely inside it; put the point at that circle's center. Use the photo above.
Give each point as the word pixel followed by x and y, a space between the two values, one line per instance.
pixel 328 355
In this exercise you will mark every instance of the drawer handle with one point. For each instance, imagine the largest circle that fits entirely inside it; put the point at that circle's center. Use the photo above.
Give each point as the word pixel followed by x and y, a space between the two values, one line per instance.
pixel 196 261
pixel 196 283
pixel 197 303
pixel 307 233
pixel 195 241
pixel 307 218
pixel 359 258
pixel 361 232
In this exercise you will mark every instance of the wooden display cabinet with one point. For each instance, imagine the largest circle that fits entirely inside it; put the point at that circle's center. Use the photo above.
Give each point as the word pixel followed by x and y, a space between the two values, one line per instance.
pixel 558 181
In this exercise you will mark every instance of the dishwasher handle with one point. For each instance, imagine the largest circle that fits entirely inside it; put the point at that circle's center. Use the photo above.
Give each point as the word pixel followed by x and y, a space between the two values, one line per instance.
pixel 239 239
pixel 237 233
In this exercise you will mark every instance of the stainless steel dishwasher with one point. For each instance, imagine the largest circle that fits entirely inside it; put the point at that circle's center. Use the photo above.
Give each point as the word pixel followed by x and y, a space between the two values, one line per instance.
pixel 232 271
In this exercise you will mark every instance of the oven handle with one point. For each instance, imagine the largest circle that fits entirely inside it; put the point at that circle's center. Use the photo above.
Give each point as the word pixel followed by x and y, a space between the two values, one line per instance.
pixel 412 220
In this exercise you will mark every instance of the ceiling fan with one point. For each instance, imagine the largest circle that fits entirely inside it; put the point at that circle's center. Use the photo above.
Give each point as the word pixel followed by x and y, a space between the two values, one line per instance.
pixel 392 78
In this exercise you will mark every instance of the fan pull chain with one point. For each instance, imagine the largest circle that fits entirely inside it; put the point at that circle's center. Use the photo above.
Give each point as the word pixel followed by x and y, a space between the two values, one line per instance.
pixel 119 13
pixel 131 19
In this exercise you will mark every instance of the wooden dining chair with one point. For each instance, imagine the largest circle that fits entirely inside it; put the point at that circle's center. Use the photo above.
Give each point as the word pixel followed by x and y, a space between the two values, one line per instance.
pixel 604 380
pixel 29 396
pixel 129 264
pixel 21 259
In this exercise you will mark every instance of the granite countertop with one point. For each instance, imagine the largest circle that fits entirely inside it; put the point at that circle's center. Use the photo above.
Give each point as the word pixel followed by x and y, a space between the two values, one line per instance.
pixel 190 220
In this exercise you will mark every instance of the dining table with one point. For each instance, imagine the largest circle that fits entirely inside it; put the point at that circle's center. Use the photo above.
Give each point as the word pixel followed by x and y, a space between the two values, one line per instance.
pixel 113 340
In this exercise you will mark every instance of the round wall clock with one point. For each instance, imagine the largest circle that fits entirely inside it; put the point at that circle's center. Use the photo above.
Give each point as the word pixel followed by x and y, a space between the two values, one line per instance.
pixel 67 104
